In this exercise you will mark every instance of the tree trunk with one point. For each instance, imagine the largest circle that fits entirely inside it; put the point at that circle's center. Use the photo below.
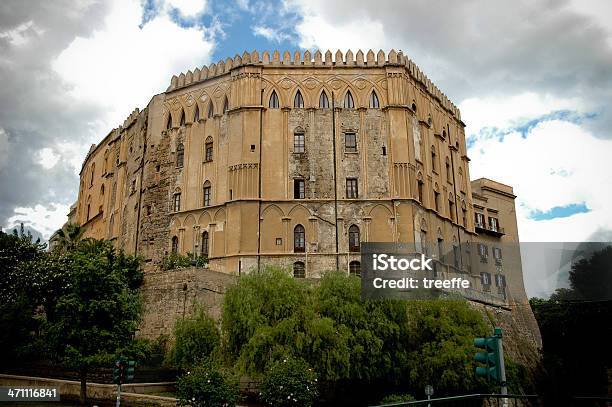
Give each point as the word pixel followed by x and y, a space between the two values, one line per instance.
pixel 83 376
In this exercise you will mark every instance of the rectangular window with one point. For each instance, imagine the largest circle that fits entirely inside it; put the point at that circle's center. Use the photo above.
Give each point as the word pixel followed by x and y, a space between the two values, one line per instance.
pixel 298 143
pixel 351 188
pixel 493 224
pixel 350 142
pixel 208 152
pixel 299 189
pixel 279 241
pixel 483 251
pixel 485 279
pixel 500 280
pixel 206 196
pixel 479 220
pixel 437 201
pixel 420 191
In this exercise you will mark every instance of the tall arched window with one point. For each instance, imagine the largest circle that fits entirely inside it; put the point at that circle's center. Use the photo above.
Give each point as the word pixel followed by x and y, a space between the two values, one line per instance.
pixel 207 194
pixel 91 177
pixel 299 270
pixel 298 101
pixel 225 105
pixel 102 191
pixel 274 103
pixel 323 101
pixel 355 268
pixel 196 115
pixel 451 207
pixel 349 103
pixel 180 155
pixel 211 110
pixel 434 165
pixel 176 203
pixel 182 118
pixel 374 103
pixel 169 122
pixel 175 244
pixel 299 239
pixel 205 243
pixel 354 238
pixel 449 176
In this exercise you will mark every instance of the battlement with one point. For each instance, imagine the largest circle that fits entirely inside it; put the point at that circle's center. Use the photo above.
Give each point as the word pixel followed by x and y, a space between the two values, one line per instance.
pixel 308 59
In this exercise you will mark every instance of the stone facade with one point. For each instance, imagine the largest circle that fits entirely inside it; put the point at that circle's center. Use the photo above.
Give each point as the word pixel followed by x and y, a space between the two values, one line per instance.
pixel 216 165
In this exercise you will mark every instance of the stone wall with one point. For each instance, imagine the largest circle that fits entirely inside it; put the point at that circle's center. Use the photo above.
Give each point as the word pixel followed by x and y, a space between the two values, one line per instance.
pixel 173 294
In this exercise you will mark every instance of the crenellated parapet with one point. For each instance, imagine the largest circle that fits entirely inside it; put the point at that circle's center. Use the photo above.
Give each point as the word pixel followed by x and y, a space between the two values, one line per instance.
pixel 318 59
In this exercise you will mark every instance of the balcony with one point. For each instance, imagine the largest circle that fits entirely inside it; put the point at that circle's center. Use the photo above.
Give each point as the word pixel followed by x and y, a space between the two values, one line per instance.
pixel 490 230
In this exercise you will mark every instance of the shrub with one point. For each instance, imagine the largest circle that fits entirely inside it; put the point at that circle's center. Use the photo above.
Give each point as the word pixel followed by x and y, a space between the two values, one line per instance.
pixel 147 352
pixel 208 385
pixel 197 337
pixel 177 261
pixel 289 382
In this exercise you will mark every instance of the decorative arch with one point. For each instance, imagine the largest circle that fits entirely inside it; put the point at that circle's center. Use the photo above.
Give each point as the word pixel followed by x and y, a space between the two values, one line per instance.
pixel 196 114
pixel 220 215
pixel 182 121
pixel 204 219
pixel 211 109
pixel 225 105
pixel 348 101
pixel 272 208
pixel 169 121
pixel 324 99
pixel 298 208
pixel 374 101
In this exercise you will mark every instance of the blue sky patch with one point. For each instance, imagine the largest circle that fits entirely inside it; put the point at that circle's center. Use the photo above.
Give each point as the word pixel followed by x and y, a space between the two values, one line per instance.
pixel 560 211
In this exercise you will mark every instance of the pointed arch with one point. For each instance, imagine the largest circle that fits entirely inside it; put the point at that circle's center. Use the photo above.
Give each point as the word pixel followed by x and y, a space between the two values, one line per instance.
pixel 349 102
pixel 374 102
pixel 323 100
pixel 182 122
pixel 225 105
pixel 169 121
pixel 274 102
pixel 180 155
pixel 298 100
pixel 211 110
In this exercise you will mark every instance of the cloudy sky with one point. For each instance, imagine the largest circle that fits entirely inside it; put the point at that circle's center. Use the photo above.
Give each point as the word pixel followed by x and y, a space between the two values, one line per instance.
pixel 533 81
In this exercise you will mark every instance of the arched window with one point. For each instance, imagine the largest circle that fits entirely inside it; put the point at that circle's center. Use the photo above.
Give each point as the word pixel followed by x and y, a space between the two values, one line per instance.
pixel 175 244
pixel 274 103
pixel 434 165
pixel 451 207
pixel 299 239
pixel 211 110
pixel 299 270
pixel 196 115
pixel 225 105
pixel 448 171
pixel 91 177
pixel 323 101
pixel 355 268
pixel 180 155
pixel 207 194
pixel 176 203
pixel 461 183
pixel 374 103
pixel 420 187
pixel 349 103
pixel 169 122
pixel 208 149
pixel 354 238
pixel 205 243
pixel 414 106
pixel 298 101
pixel 102 190
pixel 182 118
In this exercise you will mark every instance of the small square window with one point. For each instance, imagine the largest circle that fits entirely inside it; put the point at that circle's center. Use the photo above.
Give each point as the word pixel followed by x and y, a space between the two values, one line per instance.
pixel 279 241
pixel 252 147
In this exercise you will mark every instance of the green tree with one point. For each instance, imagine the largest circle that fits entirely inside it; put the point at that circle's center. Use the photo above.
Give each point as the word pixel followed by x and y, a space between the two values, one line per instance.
pixel 197 338
pixel 99 311
pixel 68 237
pixel 289 382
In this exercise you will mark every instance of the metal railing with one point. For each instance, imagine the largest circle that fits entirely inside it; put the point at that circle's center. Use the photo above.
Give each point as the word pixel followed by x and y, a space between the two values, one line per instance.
pixel 478 399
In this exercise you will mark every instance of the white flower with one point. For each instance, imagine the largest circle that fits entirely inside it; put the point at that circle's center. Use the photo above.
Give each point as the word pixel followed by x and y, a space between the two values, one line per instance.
pixel 288 397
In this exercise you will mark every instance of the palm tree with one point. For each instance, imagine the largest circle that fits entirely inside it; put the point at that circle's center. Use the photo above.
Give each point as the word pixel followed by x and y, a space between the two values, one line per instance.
pixel 69 235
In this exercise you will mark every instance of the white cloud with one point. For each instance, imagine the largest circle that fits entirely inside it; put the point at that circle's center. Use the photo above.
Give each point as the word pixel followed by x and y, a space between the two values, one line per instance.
pixel 188 7
pixel 509 111
pixel 122 66
pixel 46 220
pixel 558 163
pixel 21 35
pixel 48 158
pixel 270 34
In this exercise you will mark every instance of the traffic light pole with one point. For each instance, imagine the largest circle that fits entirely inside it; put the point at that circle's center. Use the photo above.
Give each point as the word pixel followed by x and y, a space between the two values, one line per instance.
pixel 118 395
pixel 502 366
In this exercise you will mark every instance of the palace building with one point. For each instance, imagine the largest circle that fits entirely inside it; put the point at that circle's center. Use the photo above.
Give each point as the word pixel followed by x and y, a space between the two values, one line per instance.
pixel 294 160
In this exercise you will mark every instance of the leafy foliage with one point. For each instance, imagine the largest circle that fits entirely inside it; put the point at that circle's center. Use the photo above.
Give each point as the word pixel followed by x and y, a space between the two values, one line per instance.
pixel 176 261
pixel 208 385
pixel 197 338
pixel 289 382
pixel 397 398
pixel 346 340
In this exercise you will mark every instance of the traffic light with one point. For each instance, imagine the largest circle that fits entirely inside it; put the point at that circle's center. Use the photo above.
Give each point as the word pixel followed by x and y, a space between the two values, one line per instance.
pixel 129 370
pixel 491 357
pixel 119 372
